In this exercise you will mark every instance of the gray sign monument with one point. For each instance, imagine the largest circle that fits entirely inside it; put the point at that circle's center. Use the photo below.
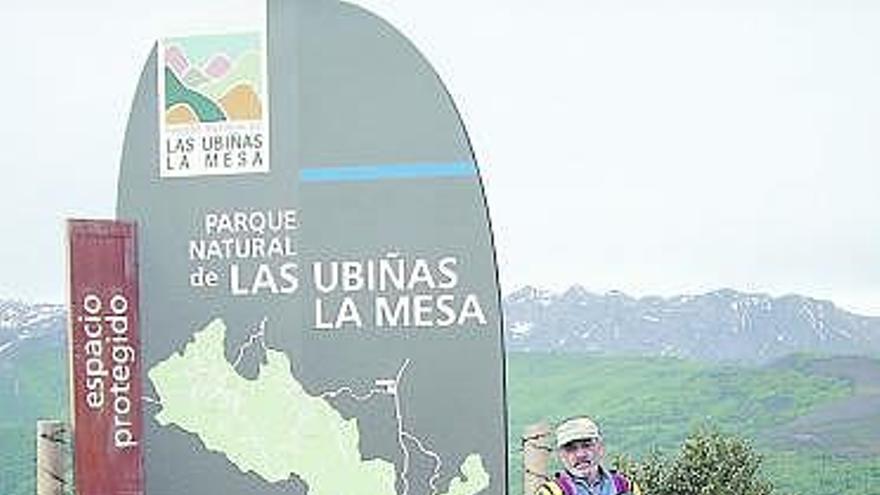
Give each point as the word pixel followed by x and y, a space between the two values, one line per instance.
pixel 319 302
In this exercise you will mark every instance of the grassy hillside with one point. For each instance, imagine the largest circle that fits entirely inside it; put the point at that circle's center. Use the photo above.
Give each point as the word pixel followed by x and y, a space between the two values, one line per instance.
pixel 645 403
pixel 32 386
pixel 815 419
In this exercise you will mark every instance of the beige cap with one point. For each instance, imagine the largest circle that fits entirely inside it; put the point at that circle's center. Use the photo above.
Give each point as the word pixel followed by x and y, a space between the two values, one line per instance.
pixel 579 428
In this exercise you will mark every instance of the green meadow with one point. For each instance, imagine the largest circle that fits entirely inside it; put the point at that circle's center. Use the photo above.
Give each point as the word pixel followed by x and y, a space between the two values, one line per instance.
pixel 815 420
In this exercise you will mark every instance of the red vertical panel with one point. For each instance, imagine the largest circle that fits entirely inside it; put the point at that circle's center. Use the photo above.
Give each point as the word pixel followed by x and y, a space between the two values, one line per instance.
pixel 105 357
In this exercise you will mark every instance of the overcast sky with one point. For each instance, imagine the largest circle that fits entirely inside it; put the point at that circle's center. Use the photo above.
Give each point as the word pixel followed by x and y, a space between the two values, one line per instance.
pixel 655 147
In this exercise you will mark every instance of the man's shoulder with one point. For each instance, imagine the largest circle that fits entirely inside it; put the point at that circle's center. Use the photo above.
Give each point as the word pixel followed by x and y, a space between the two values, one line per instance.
pixel 560 484
pixel 623 484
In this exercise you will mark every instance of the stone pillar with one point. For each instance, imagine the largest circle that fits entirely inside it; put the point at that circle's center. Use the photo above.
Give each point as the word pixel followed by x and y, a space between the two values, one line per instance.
pixel 536 447
pixel 50 457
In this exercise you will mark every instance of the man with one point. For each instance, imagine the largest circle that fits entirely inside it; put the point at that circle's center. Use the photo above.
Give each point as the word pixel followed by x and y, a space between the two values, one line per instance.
pixel 580 449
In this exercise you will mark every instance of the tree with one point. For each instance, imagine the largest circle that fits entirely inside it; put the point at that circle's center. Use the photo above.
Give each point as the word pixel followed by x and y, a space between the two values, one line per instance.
pixel 708 463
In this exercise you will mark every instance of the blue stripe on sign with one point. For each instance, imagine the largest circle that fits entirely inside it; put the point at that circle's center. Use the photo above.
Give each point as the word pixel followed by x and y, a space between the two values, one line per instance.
pixel 380 172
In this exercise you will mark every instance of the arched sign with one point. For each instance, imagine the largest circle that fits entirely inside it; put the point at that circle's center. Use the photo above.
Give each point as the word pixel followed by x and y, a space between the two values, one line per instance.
pixel 319 302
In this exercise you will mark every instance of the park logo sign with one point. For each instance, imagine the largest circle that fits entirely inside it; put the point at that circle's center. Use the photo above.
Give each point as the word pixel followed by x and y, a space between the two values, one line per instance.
pixel 212 105
pixel 331 323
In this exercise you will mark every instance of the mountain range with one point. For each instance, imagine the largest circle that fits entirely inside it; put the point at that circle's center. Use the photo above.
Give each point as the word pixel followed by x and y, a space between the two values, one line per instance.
pixel 724 325
pixel 22 322
pixel 719 326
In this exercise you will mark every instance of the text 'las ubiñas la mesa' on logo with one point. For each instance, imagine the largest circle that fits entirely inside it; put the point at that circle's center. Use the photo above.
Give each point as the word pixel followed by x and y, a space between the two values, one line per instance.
pixel 213 113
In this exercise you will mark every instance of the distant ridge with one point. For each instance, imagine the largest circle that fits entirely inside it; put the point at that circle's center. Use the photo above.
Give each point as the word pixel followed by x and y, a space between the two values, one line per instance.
pixel 723 325
pixel 719 326
pixel 22 323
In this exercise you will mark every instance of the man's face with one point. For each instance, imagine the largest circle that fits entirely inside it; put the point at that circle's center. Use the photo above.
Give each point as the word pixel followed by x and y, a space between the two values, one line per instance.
pixel 582 457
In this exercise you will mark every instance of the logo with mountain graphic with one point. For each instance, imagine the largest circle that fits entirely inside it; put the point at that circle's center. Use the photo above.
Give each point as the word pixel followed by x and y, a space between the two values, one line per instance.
pixel 213 112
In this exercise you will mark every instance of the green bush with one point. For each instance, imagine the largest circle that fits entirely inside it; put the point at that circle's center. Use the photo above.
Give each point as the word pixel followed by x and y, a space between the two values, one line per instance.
pixel 708 463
